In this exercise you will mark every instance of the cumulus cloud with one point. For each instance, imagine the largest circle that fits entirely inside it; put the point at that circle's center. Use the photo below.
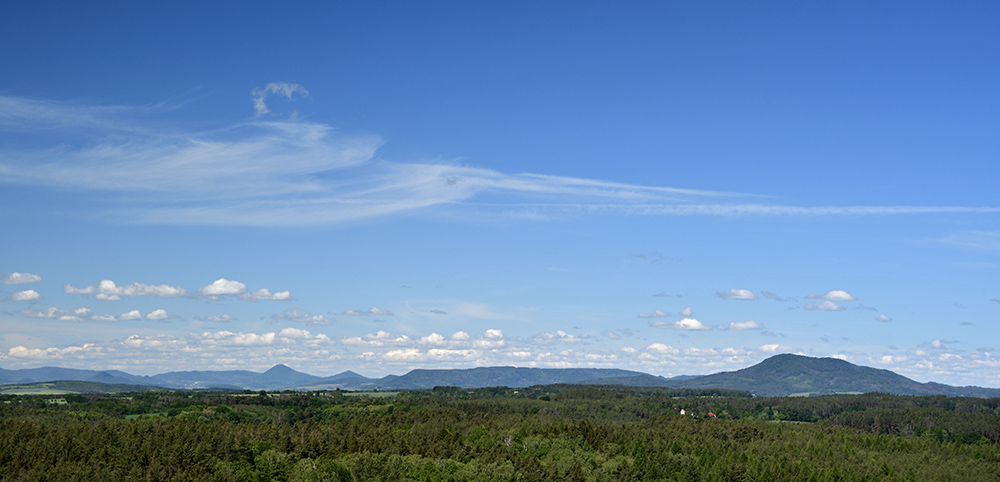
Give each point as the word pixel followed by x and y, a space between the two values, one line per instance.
pixel 160 314
pixel 661 349
pixel 377 339
pixel 107 290
pixel 26 295
pixel 298 316
pixel 283 89
pixel 686 312
pixel 76 314
pixel 20 278
pixel 433 339
pixel 217 318
pixel 737 294
pixel 222 287
pixel 773 348
pixel 492 338
pixel 265 294
pixel 557 336
pixel 685 324
pixel 130 316
pixel 835 295
pixel 883 318
pixel 824 306
pixel 654 314
pixel 103 318
pixel 743 325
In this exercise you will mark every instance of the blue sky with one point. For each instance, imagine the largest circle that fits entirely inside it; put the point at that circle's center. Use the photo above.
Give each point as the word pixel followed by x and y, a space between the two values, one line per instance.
pixel 671 188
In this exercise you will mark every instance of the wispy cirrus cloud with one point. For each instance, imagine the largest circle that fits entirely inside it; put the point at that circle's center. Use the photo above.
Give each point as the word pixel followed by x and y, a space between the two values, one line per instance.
pixel 371 311
pixel 295 173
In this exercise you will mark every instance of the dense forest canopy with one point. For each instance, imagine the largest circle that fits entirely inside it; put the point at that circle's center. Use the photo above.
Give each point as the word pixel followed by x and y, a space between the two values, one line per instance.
pixel 554 432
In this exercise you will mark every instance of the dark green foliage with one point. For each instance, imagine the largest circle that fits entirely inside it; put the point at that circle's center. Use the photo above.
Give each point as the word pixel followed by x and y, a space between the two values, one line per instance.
pixel 539 433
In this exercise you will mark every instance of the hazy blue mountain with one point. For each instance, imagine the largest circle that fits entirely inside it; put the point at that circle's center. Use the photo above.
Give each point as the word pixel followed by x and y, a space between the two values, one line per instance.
pixel 500 376
pixel 276 378
pixel 783 375
pixel 780 375
pixel 44 374
pixel 344 375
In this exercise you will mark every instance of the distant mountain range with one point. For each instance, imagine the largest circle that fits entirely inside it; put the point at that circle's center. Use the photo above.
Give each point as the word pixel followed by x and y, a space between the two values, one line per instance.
pixel 780 375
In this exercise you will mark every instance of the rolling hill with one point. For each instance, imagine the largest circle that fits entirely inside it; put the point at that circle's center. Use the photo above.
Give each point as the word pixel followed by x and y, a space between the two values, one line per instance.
pixel 787 374
pixel 780 375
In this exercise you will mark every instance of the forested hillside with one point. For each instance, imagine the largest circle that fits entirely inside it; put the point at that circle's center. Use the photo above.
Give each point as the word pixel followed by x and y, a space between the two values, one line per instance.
pixel 557 432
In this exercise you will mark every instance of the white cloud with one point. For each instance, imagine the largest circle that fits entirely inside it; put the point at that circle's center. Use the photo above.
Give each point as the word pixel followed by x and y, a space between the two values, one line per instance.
pixel 130 315
pixel 685 324
pixel 883 318
pixel 835 295
pixel 265 294
pixel 26 295
pixel 20 278
pixel 76 314
pixel 690 324
pixel 299 316
pixel 557 336
pixel 107 290
pixel 222 287
pixel 377 339
pixel 824 306
pixel 654 314
pixel 686 312
pixel 103 318
pixel 661 349
pixel 744 325
pixel 737 294
pixel 294 333
pixel 460 336
pixel 264 171
pixel 285 89
pixel 219 318
pixel 492 338
pixel 405 354
pixel 432 339
pixel 773 348
pixel 158 315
